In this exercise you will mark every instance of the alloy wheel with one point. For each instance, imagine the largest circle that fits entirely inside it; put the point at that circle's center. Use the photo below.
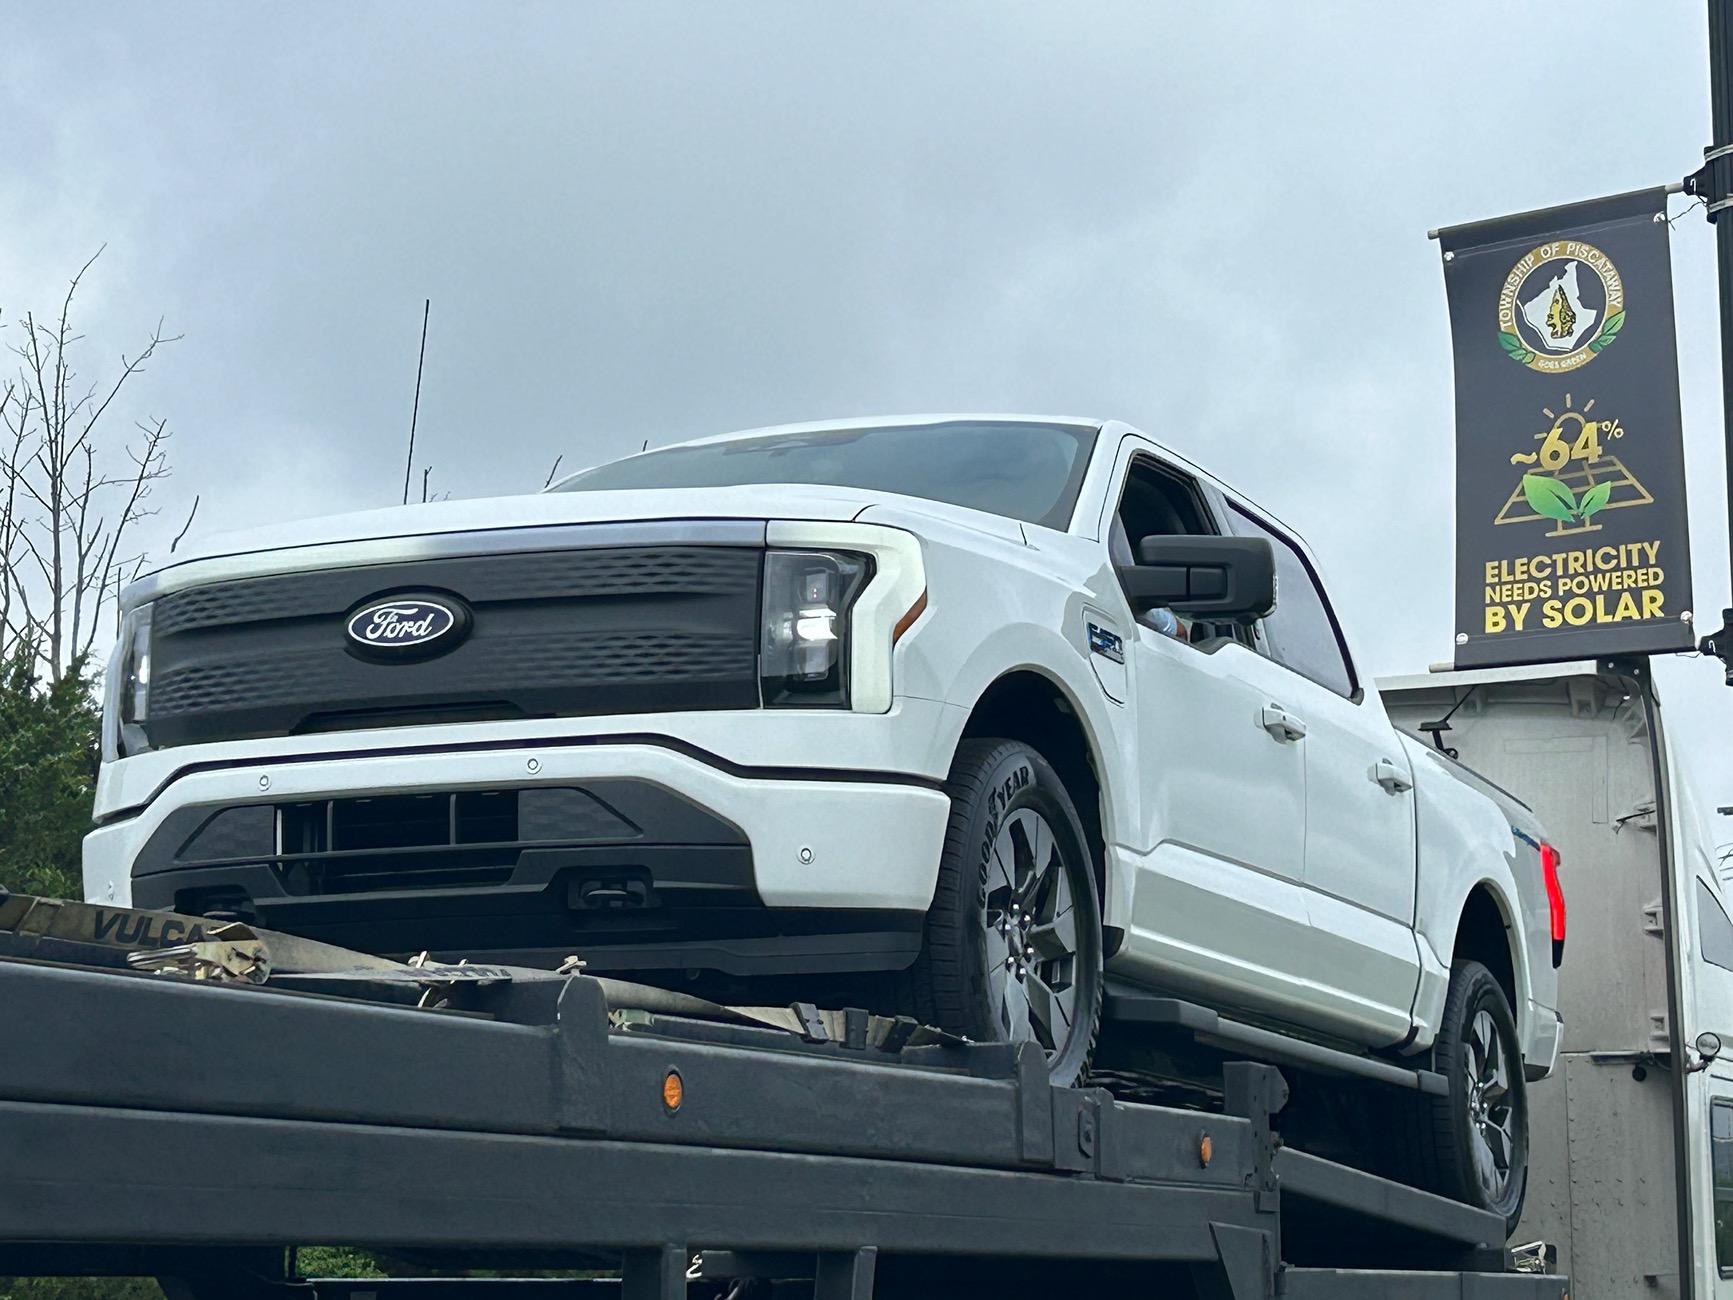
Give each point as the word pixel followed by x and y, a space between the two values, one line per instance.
pixel 1032 936
pixel 1492 1116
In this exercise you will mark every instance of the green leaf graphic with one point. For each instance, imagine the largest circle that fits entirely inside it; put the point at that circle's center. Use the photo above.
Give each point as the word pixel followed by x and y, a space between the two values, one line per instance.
pixel 1513 348
pixel 1594 499
pixel 1549 497
pixel 1609 331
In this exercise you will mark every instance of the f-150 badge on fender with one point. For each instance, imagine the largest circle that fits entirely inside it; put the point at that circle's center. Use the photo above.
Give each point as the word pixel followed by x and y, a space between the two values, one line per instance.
pixel 405 627
pixel 1107 644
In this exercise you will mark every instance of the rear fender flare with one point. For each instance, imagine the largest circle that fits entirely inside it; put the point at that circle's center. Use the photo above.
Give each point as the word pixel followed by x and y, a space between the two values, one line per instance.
pixel 1438 950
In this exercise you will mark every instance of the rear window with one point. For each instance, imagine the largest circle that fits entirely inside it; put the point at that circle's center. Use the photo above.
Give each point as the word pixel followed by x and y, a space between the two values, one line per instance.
pixel 1030 472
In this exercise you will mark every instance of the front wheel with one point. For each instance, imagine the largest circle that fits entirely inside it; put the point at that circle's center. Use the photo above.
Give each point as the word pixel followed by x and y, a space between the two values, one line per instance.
pixel 1472 1145
pixel 1012 948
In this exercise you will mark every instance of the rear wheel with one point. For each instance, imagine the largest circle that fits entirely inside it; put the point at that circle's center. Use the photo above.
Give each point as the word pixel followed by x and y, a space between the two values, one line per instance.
pixel 1472 1145
pixel 1012 947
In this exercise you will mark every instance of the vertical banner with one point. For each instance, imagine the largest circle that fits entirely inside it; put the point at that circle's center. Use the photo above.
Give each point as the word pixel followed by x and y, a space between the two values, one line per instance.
pixel 1571 538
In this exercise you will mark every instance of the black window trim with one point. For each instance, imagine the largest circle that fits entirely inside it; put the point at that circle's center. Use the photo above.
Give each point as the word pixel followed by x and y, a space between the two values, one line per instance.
pixel 1358 693
pixel 1208 505
pixel 1717 1192
pixel 1188 482
pixel 1706 895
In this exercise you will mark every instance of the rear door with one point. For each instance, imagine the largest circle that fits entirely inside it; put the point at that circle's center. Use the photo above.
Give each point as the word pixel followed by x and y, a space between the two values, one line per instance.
pixel 1360 846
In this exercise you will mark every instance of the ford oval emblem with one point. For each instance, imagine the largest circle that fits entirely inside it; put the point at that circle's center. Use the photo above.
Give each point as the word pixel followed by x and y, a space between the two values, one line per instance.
pixel 407 626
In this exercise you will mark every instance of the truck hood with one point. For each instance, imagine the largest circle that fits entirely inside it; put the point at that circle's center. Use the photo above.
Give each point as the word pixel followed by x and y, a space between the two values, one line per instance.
pixel 543 509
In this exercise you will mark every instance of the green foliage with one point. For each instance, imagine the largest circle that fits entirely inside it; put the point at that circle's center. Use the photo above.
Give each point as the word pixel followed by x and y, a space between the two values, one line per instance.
pixel 1513 347
pixel 49 745
pixel 1553 499
pixel 1609 331
pixel 1549 497
pixel 336 1261
pixel 1594 499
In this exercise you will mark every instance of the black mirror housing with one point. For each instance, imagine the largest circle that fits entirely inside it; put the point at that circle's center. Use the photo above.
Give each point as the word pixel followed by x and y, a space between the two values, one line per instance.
pixel 1220 579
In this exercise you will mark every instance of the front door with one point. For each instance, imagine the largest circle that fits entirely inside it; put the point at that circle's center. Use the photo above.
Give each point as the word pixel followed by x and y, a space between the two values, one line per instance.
pixel 1218 905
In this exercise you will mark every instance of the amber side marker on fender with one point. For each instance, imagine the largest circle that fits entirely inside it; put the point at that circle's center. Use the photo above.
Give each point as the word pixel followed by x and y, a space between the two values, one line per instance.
pixel 908 620
pixel 673 1091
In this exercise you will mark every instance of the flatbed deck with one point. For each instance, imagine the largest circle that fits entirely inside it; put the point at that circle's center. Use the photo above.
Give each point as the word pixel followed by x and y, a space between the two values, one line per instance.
pixel 193 1130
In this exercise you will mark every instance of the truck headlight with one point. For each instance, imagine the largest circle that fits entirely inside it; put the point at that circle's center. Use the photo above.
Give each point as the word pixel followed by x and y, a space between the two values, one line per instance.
pixel 803 658
pixel 126 705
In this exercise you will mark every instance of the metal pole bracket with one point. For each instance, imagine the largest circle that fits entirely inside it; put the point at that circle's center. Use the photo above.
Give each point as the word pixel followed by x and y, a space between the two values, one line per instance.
pixel 1713 181
pixel 1720 644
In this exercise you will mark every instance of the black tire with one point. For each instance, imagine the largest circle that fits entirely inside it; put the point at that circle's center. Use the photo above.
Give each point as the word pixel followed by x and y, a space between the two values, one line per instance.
pixel 1472 1145
pixel 1004 793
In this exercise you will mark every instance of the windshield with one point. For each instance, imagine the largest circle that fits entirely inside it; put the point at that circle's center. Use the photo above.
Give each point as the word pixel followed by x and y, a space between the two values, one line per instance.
pixel 1030 472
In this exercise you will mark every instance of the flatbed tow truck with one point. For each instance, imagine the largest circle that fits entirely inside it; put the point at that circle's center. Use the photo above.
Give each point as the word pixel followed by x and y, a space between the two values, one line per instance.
pixel 192 1104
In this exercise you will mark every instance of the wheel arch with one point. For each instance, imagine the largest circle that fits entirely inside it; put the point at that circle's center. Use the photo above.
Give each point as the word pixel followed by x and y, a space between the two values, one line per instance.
pixel 1032 705
pixel 1488 930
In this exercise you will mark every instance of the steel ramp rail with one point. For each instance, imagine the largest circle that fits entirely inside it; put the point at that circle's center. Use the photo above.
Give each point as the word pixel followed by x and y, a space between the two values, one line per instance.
pixel 1323 1188
pixel 1132 1006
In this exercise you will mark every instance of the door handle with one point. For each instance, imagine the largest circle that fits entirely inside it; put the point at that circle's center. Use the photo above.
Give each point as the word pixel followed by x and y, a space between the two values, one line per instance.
pixel 1391 777
pixel 1281 724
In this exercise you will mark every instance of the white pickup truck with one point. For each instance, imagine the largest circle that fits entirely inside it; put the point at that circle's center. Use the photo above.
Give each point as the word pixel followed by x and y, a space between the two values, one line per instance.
pixel 992 706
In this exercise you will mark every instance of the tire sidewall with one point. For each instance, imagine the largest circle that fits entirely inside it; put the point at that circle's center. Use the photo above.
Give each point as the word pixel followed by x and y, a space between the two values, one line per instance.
pixel 1482 993
pixel 1017 777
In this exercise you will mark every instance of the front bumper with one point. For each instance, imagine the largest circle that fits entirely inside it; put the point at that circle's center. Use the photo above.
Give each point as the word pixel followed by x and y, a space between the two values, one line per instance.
pixel 783 874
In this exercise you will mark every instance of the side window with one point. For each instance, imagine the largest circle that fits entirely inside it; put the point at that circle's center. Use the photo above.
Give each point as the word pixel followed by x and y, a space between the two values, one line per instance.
pixel 1160 502
pixel 1721 1149
pixel 1714 930
pixel 1302 630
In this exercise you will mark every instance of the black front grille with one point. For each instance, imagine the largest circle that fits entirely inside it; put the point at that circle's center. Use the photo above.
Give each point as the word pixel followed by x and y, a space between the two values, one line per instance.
pixel 345 846
pixel 432 841
pixel 556 633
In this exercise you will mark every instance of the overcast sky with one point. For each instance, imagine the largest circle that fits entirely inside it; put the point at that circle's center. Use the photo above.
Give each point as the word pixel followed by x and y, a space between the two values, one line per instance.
pixel 650 221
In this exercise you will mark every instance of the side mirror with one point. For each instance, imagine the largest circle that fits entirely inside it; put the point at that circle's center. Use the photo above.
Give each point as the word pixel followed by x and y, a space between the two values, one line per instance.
pixel 1219 579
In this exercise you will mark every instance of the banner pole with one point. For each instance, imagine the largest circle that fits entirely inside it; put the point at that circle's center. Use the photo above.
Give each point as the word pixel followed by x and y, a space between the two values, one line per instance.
pixel 1714 184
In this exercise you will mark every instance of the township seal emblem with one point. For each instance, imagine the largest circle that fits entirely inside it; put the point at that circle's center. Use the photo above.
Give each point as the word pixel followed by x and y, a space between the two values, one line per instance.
pixel 1561 305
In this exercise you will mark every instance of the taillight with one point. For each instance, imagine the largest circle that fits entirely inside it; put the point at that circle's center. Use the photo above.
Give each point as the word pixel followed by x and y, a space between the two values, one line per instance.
pixel 1555 900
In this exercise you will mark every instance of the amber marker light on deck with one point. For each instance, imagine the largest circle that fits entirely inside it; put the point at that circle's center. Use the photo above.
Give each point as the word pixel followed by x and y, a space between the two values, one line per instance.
pixel 673 1091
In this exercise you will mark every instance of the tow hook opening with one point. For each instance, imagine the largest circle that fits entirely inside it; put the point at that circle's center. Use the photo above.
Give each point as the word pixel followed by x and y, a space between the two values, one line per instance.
pixel 615 891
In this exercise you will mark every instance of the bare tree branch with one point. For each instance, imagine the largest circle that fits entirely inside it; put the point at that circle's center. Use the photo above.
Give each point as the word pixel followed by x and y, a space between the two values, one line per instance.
pixel 71 497
pixel 186 527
